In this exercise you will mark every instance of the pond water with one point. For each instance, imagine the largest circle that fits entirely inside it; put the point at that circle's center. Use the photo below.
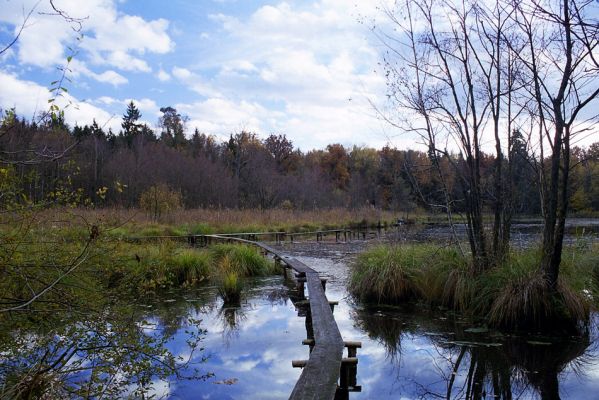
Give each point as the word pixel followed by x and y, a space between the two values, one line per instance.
pixel 246 350
pixel 579 231
pixel 406 353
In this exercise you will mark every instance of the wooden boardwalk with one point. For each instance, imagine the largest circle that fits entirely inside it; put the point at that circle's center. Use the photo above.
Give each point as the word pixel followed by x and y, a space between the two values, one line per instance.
pixel 322 371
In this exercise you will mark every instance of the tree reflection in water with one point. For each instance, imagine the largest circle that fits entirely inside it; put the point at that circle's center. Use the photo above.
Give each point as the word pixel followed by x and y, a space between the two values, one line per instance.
pixel 112 353
pixel 475 364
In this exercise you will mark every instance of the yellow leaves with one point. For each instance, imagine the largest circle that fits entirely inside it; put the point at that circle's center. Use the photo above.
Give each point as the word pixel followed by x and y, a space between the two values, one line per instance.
pixel 119 187
pixel 101 192
pixel 160 199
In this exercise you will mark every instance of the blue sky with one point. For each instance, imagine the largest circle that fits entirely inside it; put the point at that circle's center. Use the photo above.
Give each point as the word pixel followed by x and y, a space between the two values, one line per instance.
pixel 302 68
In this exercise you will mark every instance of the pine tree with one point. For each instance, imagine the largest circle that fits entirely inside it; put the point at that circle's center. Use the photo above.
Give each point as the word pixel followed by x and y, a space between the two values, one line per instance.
pixel 129 124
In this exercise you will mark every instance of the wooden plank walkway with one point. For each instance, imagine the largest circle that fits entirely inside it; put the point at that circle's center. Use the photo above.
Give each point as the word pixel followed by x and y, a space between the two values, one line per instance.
pixel 321 373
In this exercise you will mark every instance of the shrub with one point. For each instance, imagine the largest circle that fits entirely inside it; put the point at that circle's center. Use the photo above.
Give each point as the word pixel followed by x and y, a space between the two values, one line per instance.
pixel 159 199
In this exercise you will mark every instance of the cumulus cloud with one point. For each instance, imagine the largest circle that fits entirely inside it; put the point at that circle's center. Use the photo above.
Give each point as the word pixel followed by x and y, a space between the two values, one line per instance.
pixel 303 69
pixel 311 67
pixel 110 38
pixel 163 76
pixel 79 68
pixel 195 82
pixel 31 99
pixel 221 116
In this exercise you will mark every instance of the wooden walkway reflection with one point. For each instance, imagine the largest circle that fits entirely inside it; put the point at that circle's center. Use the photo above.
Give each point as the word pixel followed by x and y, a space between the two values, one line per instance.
pixel 326 374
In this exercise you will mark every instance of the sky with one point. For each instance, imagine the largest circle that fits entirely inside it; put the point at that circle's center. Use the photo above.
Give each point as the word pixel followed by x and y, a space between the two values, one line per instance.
pixel 306 69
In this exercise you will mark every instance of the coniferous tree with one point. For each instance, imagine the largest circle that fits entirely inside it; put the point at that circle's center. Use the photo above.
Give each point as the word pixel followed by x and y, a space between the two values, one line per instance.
pixel 130 125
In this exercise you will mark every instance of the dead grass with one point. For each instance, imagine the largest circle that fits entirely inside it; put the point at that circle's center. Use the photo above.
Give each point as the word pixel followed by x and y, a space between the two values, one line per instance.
pixel 227 220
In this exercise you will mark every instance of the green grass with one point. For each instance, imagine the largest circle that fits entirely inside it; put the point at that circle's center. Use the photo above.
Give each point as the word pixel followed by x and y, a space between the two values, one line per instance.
pixel 513 295
pixel 229 282
pixel 191 266
pixel 151 266
pixel 245 260
pixel 391 274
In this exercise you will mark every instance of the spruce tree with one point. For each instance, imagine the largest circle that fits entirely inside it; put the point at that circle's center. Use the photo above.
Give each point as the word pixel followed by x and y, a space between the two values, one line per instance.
pixel 129 124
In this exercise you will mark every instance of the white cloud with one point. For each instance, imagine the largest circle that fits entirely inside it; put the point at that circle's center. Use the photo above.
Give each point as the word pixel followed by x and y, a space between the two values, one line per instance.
pixel 309 66
pixel 195 82
pixel 181 73
pixel 127 62
pixel 111 77
pixel 80 68
pixel 30 99
pixel 303 69
pixel 110 38
pixel 163 76
pixel 221 116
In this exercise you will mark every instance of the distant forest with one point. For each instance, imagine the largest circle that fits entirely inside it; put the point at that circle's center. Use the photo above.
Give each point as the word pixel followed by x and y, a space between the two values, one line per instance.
pixel 45 161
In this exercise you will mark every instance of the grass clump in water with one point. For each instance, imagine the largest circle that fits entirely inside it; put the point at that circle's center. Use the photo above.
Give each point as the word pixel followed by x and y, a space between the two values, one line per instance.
pixel 229 282
pixel 513 295
pixel 391 274
pixel 191 266
pixel 244 260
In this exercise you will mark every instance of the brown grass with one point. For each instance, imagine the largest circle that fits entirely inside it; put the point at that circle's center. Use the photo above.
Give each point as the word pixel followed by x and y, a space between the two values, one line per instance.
pixel 525 303
pixel 229 220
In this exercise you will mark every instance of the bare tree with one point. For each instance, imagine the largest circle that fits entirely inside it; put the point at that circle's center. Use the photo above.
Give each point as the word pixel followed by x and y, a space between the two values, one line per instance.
pixel 449 67
pixel 558 48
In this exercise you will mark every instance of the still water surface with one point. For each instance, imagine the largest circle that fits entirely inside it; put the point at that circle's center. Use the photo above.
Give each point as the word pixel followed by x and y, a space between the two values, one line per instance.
pixel 405 354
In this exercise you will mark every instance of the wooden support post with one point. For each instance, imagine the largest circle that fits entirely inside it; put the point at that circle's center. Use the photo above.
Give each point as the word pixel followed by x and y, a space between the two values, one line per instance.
pixel 291 238
pixel 343 376
pixel 345 236
pixel 301 289
pixel 333 304
pixel 310 343
pixel 299 363
pixel 352 348
pixel 323 282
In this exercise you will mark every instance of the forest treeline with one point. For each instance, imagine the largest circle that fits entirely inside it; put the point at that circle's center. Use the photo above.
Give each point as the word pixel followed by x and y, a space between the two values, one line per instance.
pixel 116 169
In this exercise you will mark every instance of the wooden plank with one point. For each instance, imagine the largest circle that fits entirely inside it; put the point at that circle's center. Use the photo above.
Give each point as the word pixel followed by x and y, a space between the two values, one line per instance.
pixel 318 380
pixel 251 233
pixel 319 377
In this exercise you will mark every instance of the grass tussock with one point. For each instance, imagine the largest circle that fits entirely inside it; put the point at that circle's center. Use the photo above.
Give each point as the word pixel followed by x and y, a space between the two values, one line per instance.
pixel 244 260
pixel 390 274
pixel 191 266
pixel 514 295
pixel 229 283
